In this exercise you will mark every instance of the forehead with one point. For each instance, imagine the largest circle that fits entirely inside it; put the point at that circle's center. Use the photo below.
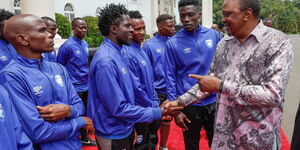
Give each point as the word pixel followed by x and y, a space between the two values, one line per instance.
pixel 167 22
pixel 80 22
pixel 189 8
pixel 230 5
pixel 137 22
pixel 125 19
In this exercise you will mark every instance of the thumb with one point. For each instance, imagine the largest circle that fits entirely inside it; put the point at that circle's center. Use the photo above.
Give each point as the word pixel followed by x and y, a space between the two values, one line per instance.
pixel 195 76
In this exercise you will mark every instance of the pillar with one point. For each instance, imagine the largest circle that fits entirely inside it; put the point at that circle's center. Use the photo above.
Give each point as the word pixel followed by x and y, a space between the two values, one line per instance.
pixel 39 8
pixel 207 13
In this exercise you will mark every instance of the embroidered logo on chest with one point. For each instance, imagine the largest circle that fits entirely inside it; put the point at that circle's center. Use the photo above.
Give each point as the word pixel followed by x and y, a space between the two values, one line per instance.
pixel 123 70
pixel 209 43
pixel 187 50
pixel 3 58
pixel 37 90
pixel 2 116
pixel 77 52
pixel 43 55
pixel 158 50
pixel 59 80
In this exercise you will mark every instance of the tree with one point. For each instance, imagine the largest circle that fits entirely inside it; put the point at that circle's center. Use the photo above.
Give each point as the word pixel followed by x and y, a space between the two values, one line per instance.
pixel 63 25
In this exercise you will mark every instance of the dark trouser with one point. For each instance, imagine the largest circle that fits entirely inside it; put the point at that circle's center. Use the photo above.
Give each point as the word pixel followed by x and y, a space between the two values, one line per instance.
pixel 121 144
pixel 295 145
pixel 84 97
pixel 199 116
pixel 146 135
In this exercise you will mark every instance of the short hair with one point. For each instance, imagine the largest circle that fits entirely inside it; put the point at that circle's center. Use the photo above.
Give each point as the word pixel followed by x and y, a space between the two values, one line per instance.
pixel 45 18
pixel 163 17
pixel 135 14
pixel 109 15
pixel 183 3
pixel 268 19
pixel 5 15
pixel 75 20
pixel 252 4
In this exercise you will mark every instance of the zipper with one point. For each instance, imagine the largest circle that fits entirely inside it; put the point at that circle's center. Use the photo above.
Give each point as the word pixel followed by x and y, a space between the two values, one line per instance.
pixel 53 90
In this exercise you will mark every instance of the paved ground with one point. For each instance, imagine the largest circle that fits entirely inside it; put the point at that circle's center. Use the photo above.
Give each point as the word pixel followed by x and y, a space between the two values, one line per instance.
pixel 292 95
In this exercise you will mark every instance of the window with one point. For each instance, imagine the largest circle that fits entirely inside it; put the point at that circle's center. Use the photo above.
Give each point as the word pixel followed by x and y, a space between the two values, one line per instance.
pixel 17 6
pixel 69 11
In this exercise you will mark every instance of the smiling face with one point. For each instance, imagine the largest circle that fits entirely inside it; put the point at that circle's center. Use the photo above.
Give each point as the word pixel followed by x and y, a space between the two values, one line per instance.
pixel 122 30
pixel 189 17
pixel 138 30
pixel 233 17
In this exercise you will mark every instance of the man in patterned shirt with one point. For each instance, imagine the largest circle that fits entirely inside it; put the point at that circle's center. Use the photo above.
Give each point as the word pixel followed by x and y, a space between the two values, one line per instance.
pixel 250 72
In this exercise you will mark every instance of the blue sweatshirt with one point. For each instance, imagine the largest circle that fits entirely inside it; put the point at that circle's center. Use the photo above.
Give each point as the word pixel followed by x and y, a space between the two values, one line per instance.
pixel 141 74
pixel 73 54
pixel 111 103
pixel 12 136
pixel 7 53
pixel 155 48
pixel 34 82
pixel 189 53
pixel 49 56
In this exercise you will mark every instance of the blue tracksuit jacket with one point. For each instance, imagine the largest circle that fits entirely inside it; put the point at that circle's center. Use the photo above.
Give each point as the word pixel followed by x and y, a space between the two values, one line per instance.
pixel 141 74
pixel 73 54
pixel 189 53
pixel 7 53
pixel 49 56
pixel 12 136
pixel 155 48
pixel 34 82
pixel 111 103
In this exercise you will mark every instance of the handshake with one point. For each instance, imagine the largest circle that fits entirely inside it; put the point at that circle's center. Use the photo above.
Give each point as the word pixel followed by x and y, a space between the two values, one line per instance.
pixel 170 109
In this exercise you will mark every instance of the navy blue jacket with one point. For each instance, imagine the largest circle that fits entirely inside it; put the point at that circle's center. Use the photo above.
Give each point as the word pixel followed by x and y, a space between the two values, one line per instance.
pixel 73 54
pixel 155 48
pixel 189 53
pixel 7 53
pixel 34 82
pixel 111 103
pixel 142 75
pixel 12 136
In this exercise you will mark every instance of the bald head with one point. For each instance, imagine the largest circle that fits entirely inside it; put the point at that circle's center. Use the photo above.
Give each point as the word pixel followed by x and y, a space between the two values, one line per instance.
pixel 19 24
pixel 28 33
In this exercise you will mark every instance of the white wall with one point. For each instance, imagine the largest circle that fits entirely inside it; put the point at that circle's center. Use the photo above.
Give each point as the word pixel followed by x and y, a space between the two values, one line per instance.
pixel 88 8
pixel 7 5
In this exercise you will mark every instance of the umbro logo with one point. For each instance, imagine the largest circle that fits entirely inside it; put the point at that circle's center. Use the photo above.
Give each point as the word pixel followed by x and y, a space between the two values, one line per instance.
pixel 123 70
pixel 37 90
pixel 187 50
pixel 143 62
pixel 77 52
pixel 3 58
pixel 158 50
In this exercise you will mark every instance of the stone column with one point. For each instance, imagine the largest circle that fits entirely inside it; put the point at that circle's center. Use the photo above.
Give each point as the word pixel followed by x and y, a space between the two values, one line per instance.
pixel 38 7
pixel 154 15
pixel 207 13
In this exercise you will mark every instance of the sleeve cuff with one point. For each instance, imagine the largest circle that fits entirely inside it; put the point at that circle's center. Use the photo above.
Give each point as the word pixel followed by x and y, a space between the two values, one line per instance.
pixel 156 113
pixel 81 123
pixel 73 112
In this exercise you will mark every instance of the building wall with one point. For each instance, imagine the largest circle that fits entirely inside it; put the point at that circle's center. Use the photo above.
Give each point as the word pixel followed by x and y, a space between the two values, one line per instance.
pixel 88 8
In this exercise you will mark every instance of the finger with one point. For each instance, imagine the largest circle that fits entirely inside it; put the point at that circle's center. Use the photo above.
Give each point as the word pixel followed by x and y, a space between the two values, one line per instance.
pixel 184 126
pixel 187 120
pixel 196 76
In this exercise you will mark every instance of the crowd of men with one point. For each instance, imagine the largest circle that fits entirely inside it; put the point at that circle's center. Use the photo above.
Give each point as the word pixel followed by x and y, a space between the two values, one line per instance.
pixel 232 86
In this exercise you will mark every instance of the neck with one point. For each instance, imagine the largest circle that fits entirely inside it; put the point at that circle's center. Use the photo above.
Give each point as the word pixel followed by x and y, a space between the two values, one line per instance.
pixel 159 33
pixel 28 53
pixel 114 39
pixel 78 37
pixel 246 31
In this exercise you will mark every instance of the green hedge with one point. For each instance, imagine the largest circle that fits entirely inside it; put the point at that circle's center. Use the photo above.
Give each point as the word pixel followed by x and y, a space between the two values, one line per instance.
pixel 93 38
pixel 94 41
pixel 63 25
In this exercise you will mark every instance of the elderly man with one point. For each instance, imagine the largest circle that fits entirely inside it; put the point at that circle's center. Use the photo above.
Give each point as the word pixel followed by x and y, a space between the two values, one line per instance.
pixel 250 72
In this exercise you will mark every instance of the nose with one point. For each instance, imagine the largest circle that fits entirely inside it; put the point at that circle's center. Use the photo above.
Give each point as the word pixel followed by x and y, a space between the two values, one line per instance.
pixel 186 19
pixel 50 35
pixel 223 20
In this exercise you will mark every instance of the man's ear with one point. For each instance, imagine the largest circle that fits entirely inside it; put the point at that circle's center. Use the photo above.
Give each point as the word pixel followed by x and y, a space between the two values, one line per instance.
pixel 22 39
pixel 248 14
pixel 113 29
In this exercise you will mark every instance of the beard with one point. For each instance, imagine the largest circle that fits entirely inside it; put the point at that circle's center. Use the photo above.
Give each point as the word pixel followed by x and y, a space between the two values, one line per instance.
pixel 123 42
